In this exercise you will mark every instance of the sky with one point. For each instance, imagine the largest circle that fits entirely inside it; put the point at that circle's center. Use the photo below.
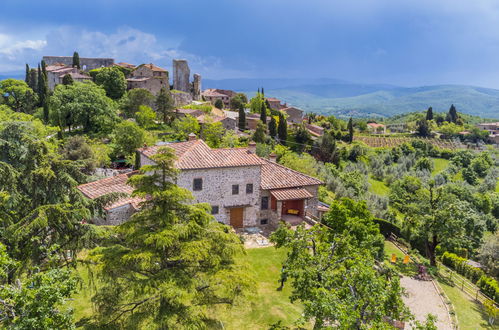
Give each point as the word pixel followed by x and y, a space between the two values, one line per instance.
pixel 400 42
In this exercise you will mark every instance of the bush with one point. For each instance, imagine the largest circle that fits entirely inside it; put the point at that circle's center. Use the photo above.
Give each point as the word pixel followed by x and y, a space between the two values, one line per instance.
pixel 385 227
pixel 489 286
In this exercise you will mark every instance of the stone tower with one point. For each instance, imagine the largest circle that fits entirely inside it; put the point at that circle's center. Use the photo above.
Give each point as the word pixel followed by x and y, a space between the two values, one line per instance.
pixel 181 74
pixel 196 87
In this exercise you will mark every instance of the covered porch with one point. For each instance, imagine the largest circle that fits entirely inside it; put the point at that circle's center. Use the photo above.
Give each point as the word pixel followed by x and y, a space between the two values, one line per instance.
pixel 290 204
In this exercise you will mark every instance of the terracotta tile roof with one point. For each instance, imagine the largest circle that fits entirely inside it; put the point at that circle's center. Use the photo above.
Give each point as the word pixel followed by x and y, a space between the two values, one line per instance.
pixel 276 176
pixel 106 186
pixel 291 193
pixel 273 99
pixel 133 201
pixel 76 75
pixel 291 108
pixel 57 66
pixel 375 125
pixel 153 67
pixel 197 155
pixel 125 65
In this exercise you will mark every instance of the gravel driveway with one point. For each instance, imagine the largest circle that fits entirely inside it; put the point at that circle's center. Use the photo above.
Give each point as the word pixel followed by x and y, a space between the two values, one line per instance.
pixel 424 299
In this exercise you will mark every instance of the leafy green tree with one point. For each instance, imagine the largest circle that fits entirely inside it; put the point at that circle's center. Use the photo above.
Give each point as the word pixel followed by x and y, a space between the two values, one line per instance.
pixel 350 130
pixel 282 129
pixel 434 215
pixel 423 128
pixel 302 137
pixel 237 101
pixel 429 114
pixel 489 255
pixel 259 136
pixel 112 80
pixel 324 148
pixel 338 282
pixel 128 137
pixel 173 260
pixel 18 96
pixel 67 80
pixel 134 99
pixel 272 127
pixel 242 118
pixel 77 149
pixel 76 60
pixel 165 104
pixel 145 116
pixel 37 301
pixel 219 104
pixel 212 133
pixel 82 104
pixel 185 126
pixel 424 164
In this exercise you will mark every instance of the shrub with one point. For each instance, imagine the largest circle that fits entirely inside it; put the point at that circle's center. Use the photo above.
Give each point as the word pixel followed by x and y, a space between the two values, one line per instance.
pixel 489 286
pixel 385 227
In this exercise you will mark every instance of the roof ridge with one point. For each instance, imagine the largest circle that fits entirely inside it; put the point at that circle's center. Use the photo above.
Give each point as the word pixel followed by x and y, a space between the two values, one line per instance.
pixel 275 163
pixel 110 178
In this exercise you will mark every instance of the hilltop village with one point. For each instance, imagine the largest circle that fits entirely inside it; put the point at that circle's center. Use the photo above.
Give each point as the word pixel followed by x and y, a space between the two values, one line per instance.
pixel 176 206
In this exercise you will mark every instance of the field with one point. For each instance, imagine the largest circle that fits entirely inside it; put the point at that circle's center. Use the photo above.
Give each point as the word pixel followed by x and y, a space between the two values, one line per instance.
pixel 390 142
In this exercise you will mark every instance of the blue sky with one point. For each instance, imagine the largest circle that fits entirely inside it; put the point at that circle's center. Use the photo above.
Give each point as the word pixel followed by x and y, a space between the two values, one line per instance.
pixel 404 42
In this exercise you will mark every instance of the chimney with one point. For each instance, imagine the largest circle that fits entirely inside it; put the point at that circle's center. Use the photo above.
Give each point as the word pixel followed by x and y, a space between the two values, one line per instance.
pixel 273 157
pixel 252 147
pixel 192 137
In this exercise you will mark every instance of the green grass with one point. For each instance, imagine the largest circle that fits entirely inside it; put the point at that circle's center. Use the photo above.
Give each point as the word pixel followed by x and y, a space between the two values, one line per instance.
pixel 267 305
pixel 408 270
pixel 378 187
pixel 259 310
pixel 440 164
pixel 469 313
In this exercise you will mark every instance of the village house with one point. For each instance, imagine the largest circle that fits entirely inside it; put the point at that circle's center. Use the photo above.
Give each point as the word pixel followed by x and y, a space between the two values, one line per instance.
pixel 294 115
pixel 314 130
pixel 150 77
pixel 213 94
pixel 375 128
pixel 493 129
pixel 275 104
pixel 243 189
pixel 56 73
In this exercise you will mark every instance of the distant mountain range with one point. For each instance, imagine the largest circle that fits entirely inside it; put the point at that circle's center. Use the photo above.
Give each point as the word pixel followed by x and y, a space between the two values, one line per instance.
pixel 345 99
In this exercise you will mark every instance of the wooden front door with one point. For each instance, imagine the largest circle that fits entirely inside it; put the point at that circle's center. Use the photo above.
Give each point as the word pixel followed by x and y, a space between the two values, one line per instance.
pixel 236 217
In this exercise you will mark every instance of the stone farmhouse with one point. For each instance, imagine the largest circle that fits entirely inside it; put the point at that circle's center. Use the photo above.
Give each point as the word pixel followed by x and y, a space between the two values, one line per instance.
pixel 213 94
pixel 294 115
pixel 243 189
pixel 493 129
pixel 56 72
pixel 275 104
pixel 375 128
pixel 150 77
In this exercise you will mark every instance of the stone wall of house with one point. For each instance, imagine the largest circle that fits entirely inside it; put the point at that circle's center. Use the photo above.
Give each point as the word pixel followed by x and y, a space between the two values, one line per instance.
pixel 115 216
pixel 181 74
pixel 181 98
pixel 272 217
pixel 217 190
pixel 229 123
pixel 312 203
pixel 86 63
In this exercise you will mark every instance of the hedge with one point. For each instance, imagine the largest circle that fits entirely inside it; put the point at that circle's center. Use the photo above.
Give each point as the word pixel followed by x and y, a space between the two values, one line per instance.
pixel 385 227
pixel 487 285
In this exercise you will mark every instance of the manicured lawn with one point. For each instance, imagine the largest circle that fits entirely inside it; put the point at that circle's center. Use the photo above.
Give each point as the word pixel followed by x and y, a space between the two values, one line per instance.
pixel 440 164
pixel 378 187
pixel 267 305
pixel 259 310
pixel 408 269
pixel 469 314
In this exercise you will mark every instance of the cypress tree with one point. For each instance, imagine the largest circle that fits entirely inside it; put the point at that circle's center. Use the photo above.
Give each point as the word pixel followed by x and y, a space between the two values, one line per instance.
pixel 242 118
pixel 429 114
pixel 44 69
pixel 33 80
pixel 67 80
pixel 282 129
pixel 76 60
pixel 26 79
pixel 263 113
pixel 350 130
pixel 263 93
pixel 40 83
pixel 452 116
pixel 272 127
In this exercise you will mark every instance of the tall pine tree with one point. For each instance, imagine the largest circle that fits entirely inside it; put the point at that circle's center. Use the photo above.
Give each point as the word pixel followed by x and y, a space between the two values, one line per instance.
pixel 272 127
pixel 26 79
pixel 429 114
pixel 242 118
pixel 282 129
pixel 350 130
pixel 76 60
pixel 263 113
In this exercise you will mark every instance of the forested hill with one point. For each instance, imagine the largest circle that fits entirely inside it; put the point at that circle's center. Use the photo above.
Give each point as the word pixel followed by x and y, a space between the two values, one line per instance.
pixel 345 99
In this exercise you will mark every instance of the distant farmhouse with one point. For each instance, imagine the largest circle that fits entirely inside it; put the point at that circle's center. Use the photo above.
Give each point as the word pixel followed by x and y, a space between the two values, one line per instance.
pixel 493 129
pixel 243 189
pixel 56 72
pixel 150 77
pixel 375 128
pixel 275 104
pixel 213 94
